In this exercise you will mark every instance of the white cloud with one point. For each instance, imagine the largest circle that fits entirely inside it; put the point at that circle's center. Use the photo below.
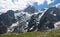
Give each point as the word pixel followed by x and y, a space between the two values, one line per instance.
pixel 49 1
pixel 19 4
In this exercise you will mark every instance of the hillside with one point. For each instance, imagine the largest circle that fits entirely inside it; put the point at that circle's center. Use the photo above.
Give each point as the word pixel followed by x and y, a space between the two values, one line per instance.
pixel 50 33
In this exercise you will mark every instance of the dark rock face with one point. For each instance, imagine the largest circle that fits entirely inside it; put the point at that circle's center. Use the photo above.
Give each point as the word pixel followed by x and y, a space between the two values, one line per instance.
pixel 3 28
pixel 33 23
pixel 7 19
pixel 51 16
pixel 30 9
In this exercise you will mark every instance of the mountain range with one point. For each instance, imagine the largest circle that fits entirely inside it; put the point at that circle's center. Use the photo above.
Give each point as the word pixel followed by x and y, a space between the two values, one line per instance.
pixel 30 19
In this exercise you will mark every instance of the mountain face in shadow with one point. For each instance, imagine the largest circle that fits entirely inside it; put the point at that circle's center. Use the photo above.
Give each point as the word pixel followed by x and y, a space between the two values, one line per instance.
pixel 6 20
pixel 31 9
pixel 51 16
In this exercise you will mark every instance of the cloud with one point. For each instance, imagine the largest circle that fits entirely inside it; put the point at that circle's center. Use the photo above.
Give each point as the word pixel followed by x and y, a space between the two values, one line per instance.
pixel 19 4
pixel 50 1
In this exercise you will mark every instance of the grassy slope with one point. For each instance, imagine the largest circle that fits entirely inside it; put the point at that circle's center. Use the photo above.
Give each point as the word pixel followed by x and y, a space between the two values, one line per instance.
pixel 53 33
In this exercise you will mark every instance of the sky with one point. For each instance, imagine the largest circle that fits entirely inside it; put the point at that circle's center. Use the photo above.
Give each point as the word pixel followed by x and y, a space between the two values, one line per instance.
pixel 22 4
pixel 46 5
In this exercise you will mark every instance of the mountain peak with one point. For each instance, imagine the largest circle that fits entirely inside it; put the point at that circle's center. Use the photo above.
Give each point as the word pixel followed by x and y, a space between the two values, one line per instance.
pixel 57 5
pixel 31 9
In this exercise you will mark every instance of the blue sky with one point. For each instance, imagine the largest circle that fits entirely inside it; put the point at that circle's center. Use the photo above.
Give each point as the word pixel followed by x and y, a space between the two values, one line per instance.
pixel 45 5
